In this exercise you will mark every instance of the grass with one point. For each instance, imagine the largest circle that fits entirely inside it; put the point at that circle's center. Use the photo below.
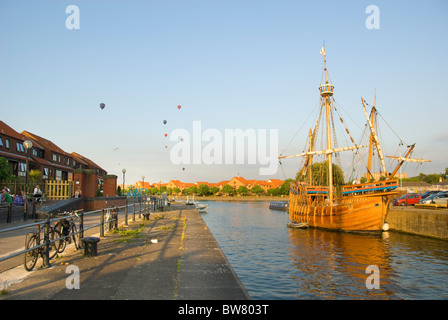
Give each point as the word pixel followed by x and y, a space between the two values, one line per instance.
pixel 129 235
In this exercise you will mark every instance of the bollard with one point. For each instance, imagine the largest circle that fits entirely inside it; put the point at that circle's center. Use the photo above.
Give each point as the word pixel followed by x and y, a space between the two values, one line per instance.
pixel 90 246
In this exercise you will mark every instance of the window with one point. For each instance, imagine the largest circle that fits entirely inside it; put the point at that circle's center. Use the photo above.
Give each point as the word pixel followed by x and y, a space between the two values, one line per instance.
pixel 55 157
pixel 21 169
pixel 45 174
pixel 1 142
pixel 7 143
pixel 58 175
pixel 20 147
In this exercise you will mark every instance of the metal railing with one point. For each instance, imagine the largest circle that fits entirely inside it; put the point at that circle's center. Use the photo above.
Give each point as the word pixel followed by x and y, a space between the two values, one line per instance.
pixel 145 207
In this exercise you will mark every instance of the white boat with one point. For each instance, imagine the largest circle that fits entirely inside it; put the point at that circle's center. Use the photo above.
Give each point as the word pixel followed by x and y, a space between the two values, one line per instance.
pixel 201 207
pixel 197 205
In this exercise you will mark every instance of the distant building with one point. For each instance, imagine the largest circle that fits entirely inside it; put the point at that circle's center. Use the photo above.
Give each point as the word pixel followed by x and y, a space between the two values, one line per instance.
pixel 235 183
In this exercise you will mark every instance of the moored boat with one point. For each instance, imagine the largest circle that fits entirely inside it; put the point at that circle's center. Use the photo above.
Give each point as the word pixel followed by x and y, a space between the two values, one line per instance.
pixel 279 205
pixel 319 198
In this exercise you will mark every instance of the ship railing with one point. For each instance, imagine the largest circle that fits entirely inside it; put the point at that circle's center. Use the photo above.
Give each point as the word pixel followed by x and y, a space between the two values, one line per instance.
pixel 371 187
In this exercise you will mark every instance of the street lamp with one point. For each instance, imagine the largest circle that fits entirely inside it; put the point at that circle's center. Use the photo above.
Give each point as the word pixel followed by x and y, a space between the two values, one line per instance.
pixel 143 178
pixel 124 171
pixel 27 144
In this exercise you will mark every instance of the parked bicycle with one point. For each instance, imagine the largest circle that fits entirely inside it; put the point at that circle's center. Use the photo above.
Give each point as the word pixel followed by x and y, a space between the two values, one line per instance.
pixel 37 243
pixel 67 227
pixel 111 220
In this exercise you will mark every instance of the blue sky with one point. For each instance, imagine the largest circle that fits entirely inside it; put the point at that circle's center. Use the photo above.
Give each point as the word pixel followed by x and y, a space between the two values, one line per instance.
pixel 229 64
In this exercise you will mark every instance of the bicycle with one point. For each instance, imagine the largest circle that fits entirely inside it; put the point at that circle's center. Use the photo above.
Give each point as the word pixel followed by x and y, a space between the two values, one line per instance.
pixel 36 245
pixel 111 220
pixel 67 227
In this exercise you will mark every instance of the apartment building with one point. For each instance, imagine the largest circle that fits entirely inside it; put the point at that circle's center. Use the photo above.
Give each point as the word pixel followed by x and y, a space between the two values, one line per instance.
pixel 45 156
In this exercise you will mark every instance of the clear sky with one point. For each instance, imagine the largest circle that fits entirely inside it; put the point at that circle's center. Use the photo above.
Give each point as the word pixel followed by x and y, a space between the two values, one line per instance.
pixel 249 64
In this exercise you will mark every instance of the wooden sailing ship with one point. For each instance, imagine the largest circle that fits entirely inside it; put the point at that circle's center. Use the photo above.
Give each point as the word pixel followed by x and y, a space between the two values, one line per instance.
pixel 357 207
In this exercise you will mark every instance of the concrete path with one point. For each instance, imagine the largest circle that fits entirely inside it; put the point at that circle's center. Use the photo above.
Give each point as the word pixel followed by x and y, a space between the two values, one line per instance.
pixel 173 256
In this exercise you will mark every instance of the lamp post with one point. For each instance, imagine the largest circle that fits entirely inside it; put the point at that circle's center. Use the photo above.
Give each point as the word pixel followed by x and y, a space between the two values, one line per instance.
pixel 27 144
pixel 143 178
pixel 124 171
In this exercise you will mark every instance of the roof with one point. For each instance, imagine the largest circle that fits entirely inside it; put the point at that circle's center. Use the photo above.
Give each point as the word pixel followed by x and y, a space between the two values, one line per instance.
pixel 8 131
pixel 86 160
pixel 45 143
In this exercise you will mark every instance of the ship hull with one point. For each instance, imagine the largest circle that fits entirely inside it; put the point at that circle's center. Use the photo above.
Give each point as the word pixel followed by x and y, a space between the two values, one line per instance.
pixel 352 213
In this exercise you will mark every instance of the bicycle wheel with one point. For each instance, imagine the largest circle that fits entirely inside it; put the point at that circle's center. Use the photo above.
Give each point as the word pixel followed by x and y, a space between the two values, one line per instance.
pixel 62 245
pixel 75 235
pixel 32 255
pixel 56 243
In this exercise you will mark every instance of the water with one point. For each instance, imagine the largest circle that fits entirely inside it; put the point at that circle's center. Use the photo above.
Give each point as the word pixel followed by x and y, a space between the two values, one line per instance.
pixel 277 262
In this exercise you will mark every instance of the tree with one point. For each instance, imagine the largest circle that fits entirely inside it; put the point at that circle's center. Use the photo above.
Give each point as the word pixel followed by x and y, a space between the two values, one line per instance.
pixel 214 190
pixel 257 189
pixel 227 189
pixel 320 174
pixel 203 189
pixel 35 176
pixel 176 190
pixel 432 178
pixel 273 192
pixel 242 190
pixel 284 188
pixel 191 190
pixel 5 170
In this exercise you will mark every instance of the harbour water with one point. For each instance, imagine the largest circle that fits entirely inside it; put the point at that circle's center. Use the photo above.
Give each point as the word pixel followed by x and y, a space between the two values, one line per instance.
pixel 276 262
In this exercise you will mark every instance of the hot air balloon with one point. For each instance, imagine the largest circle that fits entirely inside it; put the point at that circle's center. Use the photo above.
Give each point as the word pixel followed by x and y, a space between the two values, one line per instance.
pixel 102 106
pixel 166 147
pixel 183 169
pixel 166 135
pixel 178 107
pixel 164 121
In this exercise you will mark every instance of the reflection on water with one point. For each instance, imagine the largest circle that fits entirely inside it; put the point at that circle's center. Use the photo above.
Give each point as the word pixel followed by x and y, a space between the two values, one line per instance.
pixel 276 262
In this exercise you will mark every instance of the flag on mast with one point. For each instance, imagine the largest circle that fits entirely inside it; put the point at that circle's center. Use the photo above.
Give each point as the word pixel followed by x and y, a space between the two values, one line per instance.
pixel 322 51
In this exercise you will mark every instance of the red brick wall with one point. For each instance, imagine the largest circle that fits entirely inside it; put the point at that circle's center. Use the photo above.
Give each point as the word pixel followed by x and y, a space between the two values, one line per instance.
pixel 110 186
pixel 87 181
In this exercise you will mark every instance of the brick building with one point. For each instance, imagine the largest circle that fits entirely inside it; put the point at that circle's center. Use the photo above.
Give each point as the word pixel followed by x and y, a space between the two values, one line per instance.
pixel 45 156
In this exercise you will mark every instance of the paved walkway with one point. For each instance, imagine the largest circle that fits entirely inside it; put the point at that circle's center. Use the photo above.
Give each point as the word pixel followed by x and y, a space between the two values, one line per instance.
pixel 171 257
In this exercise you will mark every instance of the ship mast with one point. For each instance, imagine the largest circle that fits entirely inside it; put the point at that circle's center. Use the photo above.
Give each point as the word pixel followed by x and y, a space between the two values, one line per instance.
pixel 326 91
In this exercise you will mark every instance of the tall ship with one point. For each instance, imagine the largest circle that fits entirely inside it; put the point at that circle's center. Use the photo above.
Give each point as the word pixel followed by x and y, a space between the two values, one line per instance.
pixel 319 198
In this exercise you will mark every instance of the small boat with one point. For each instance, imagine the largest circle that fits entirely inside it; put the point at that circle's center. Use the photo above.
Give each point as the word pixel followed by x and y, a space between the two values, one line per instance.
pixel 201 207
pixel 190 202
pixel 298 225
pixel 279 205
